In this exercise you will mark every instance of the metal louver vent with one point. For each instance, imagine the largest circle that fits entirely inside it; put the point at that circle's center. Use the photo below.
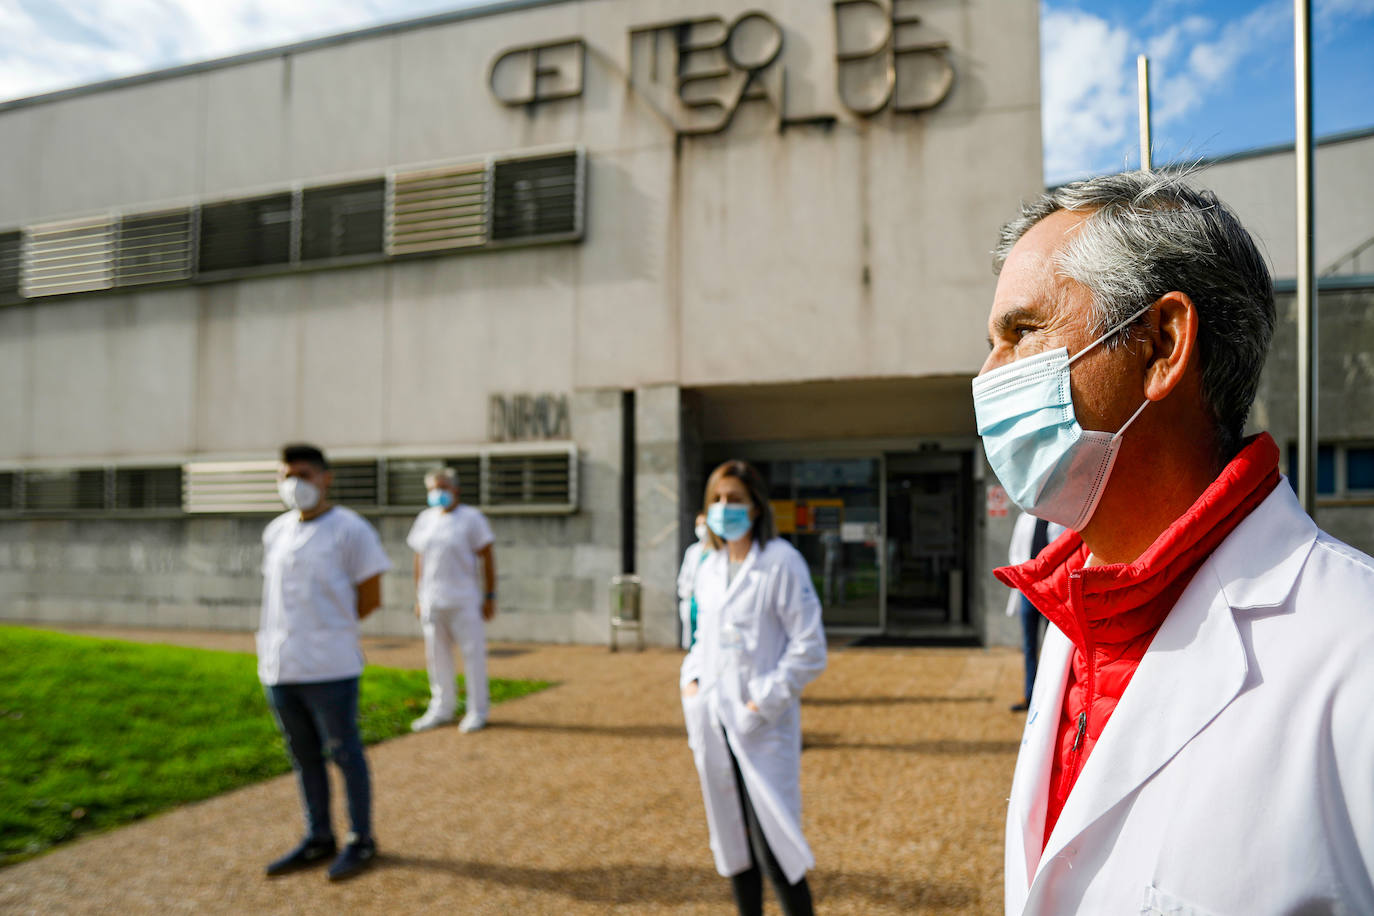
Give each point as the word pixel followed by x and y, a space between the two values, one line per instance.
pixel 11 243
pixel 355 483
pixel 537 198
pixel 230 486
pixel 64 490
pixel 75 256
pixel 542 481
pixel 147 488
pixel 405 478
pixel 435 209
pixel 343 220
pixel 239 234
pixel 155 248
pixel 9 491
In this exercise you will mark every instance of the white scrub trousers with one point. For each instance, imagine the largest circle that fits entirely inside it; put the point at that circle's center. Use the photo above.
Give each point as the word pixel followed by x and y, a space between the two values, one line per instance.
pixel 443 627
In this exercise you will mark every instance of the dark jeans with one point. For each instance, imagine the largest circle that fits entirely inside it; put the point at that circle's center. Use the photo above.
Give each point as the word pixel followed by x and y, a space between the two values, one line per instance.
pixel 1031 625
pixel 747 886
pixel 317 721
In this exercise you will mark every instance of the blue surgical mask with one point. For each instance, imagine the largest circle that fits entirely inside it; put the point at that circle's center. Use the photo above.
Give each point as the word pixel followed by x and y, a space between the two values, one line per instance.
pixel 440 499
pixel 1050 466
pixel 729 521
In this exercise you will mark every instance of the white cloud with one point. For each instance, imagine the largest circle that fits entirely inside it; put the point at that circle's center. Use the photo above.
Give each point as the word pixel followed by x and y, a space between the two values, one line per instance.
pixel 46 45
pixel 1087 75
pixel 1328 12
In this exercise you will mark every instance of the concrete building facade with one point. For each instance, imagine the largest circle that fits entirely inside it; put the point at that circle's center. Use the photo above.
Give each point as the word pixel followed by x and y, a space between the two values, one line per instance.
pixel 582 250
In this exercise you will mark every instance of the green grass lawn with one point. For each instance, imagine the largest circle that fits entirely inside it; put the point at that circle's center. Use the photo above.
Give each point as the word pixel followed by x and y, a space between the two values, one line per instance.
pixel 95 733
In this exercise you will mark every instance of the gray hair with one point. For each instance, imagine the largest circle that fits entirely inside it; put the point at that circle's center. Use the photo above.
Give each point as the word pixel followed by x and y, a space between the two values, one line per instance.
pixel 441 475
pixel 1151 233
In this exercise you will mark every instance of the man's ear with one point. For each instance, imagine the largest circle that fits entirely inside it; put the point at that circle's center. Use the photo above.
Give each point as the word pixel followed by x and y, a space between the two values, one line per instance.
pixel 1173 344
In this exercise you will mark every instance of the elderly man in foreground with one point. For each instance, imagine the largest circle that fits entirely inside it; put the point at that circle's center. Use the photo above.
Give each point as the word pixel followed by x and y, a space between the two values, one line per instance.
pixel 1199 738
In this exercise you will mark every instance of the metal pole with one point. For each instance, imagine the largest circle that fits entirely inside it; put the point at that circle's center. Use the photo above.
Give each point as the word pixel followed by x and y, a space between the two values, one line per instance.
pixel 1142 74
pixel 1307 293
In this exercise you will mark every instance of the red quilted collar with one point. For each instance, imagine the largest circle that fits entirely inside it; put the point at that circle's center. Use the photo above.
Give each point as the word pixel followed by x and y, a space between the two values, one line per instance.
pixel 1122 601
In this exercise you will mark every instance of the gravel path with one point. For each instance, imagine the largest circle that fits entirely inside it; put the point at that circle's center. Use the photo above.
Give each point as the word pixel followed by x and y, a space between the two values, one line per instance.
pixel 583 799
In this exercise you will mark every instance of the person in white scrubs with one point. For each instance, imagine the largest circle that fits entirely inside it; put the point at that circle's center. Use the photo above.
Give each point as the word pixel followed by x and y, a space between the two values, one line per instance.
pixel 695 555
pixel 452 541
pixel 759 642
pixel 322 569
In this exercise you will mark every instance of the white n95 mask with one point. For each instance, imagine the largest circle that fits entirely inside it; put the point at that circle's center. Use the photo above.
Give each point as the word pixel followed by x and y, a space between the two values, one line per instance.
pixel 1050 466
pixel 298 494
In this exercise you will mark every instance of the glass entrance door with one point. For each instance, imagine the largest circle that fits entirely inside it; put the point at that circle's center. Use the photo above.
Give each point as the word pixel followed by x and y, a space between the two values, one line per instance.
pixel 831 511
pixel 927 540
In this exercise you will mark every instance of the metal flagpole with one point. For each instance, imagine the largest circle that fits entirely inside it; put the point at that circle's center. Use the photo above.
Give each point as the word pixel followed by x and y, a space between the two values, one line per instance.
pixel 1307 293
pixel 1142 72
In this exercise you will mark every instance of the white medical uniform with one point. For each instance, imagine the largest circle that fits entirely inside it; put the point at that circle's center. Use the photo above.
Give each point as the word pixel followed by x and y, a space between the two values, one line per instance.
pixel 1236 775
pixel 450 596
pixel 759 638
pixel 311 571
pixel 686 586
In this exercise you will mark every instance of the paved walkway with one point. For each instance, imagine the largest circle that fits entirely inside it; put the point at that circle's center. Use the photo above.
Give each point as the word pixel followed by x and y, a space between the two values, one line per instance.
pixel 583 799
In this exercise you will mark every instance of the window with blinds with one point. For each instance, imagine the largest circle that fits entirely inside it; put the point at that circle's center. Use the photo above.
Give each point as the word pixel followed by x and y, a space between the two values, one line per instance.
pixel 504 201
pixel 406 478
pixel 544 480
pixel 537 198
pixel 355 483
pixel 11 244
pixel 147 488
pixel 537 479
pixel 343 220
pixel 241 234
pixel 155 247
pixel 73 490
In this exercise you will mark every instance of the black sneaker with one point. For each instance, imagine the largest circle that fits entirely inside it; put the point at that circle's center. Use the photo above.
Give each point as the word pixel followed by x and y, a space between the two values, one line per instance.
pixel 309 852
pixel 355 857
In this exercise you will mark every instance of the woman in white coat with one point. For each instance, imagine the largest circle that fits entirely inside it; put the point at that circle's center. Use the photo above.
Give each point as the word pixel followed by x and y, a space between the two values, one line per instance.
pixel 759 642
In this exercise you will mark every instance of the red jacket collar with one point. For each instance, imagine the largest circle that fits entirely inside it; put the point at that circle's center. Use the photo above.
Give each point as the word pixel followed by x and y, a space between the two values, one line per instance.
pixel 1119 602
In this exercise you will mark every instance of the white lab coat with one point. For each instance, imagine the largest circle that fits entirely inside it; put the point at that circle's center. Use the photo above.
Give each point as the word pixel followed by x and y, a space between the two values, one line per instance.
pixel 1237 774
pixel 686 586
pixel 758 638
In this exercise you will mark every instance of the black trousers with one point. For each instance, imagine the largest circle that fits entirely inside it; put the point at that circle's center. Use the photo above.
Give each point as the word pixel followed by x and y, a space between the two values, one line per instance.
pixel 747 886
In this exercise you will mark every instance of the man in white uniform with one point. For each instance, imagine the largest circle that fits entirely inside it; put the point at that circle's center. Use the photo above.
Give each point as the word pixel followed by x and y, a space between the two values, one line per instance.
pixel 450 539
pixel 322 567
pixel 1199 737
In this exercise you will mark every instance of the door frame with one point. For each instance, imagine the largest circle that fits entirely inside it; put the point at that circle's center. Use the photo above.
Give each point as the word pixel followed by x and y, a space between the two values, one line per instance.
pixel 872 449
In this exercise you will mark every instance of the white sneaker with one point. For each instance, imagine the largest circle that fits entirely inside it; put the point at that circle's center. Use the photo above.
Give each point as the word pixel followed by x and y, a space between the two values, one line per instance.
pixel 472 723
pixel 429 720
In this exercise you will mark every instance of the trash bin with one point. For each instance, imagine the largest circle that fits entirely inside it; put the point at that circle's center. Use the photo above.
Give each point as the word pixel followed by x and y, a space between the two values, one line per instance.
pixel 625 609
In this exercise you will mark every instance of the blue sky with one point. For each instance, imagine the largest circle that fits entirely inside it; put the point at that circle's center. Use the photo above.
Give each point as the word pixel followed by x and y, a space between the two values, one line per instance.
pixel 1222 70
pixel 1221 77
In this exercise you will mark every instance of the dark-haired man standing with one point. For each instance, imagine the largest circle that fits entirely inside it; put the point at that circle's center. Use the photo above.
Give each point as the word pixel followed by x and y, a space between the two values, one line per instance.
pixel 322 567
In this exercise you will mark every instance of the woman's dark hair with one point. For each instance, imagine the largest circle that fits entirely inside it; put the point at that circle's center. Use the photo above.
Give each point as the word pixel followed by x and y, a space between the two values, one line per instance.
pixel 764 529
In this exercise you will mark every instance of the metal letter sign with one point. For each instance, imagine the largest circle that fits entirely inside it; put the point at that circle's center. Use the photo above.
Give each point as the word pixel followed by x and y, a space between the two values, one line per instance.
pixel 516 417
pixel 716 67
pixel 697 73
pixel 532 74
pixel 879 64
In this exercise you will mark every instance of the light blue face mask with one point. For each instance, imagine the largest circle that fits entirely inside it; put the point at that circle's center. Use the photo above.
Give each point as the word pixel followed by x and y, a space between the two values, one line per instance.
pixel 729 521
pixel 440 499
pixel 1050 466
